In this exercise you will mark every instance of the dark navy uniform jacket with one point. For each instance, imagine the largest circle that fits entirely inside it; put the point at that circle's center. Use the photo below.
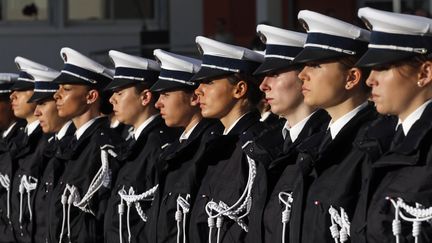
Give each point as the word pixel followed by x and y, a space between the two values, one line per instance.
pixel 182 168
pixel 30 163
pixel 403 172
pixel 331 176
pixel 225 181
pixel 49 179
pixel 138 172
pixel 7 169
pixel 83 161
pixel 265 219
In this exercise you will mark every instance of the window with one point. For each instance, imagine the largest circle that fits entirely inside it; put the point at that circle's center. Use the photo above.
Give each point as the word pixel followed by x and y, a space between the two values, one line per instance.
pixel 23 10
pixel 110 9
pixel 419 7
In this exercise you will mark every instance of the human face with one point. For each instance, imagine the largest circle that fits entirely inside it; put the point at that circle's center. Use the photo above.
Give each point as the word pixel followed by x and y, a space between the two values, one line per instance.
pixel 323 84
pixel 393 89
pixel 6 114
pixel 20 107
pixel 46 112
pixel 176 107
pixel 127 105
pixel 71 100
pixel 216 98
pixel 283 92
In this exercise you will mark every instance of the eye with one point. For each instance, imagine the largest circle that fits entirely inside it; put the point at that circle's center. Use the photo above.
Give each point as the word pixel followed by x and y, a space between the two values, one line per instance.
pixel 381 68
pixel 313 65
pixel 273 75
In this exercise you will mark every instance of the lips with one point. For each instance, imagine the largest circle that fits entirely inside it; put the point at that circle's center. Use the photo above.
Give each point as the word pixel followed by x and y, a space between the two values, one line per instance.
pixel 268 100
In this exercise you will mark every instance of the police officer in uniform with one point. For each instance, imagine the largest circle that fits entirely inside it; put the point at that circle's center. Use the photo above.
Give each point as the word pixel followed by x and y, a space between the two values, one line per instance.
pixel 276 149
pixel 396 202
pixel 228 92
pixel 61 131
pixel 185 161
pixel 10 127
pixel 331 168
pixel 28 158
pixel 84 187
pixel 134 104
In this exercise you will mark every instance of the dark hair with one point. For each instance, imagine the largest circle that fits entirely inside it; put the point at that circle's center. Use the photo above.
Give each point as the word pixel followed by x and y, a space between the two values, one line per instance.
pixel 254 94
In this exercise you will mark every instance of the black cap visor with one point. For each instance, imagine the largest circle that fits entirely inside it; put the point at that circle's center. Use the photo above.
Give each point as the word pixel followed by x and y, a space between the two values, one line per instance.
pixel 274 65
pixel 313 54
pixel 65 78
pixel 117 84
pixel 379 57
pixel 206 73
pixel 22 86
pixel 40 96
pixel 165 85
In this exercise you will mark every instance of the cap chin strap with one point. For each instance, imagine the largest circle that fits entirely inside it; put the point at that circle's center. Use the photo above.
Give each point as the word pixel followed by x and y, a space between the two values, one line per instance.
pixel 237 211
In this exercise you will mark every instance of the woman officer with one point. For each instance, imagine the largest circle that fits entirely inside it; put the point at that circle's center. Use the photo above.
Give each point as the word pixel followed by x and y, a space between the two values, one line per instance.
pixel 183 163
pixel 134 105
pixel 84 187
pixel 276 149
pixel 27 156
pixel 227 92
pixel 331 168
pixel 61 132
pixel 396 203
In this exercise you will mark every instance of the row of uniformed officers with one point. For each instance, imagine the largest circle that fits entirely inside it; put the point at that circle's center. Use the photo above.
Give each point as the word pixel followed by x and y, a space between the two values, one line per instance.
pixel 350 160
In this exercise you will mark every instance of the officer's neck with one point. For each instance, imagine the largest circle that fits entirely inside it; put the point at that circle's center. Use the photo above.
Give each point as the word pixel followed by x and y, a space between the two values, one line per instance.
pixel 298 114
pixel 88 115
pixel 234 114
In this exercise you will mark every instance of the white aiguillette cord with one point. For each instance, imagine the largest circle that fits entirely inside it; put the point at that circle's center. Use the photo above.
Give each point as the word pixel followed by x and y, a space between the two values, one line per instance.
pixel 416 214
pixel 74 196
pixel 234 212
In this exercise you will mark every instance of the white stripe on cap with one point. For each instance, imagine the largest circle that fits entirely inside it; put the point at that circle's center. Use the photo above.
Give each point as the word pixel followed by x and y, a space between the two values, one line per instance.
pixel 399 48
pixel 337 49
pixel 4 91
pixel 79 76
pixel 221 68
pixel 45 90
pixel 177 80
pixel 279 56
pixel 129 77
pixel 26 79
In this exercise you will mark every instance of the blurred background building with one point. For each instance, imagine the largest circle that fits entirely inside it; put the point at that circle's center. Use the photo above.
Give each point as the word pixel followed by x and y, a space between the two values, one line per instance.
pixel 37 29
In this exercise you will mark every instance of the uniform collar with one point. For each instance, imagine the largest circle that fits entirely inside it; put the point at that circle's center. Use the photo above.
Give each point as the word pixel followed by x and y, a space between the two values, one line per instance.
pixel 228 130
pixel 186 134
pixel 7 131
pixel 336 126
pixel 413 117
pixel 141 127
pixel 31 127
pixel 62 132
pixel 80 131
pixel 295 130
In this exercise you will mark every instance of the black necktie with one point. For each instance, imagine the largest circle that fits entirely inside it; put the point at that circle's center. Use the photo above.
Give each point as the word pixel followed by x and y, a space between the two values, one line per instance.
pixel 326 140
pixel 398 137
pixel 287 142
